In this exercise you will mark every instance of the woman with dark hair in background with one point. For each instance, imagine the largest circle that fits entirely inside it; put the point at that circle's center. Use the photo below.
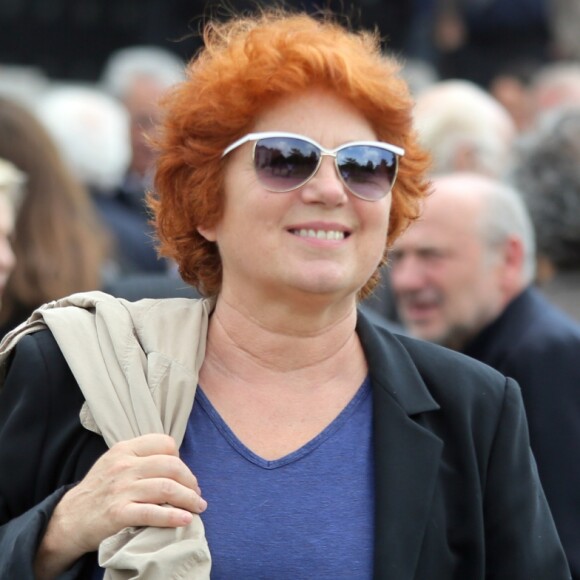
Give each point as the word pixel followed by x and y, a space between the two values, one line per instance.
pixel 59 243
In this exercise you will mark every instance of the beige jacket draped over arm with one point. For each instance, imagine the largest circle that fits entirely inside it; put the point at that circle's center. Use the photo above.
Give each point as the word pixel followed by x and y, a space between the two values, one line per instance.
pixel 137 364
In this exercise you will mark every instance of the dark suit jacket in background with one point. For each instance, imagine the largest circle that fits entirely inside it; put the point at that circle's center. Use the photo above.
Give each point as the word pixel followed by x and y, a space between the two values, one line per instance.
pixel 563 290
pixel 457 493
pixel 537 345
pixel 125 216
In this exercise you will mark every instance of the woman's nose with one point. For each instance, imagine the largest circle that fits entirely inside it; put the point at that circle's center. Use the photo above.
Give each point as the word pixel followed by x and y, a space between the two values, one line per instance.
pixel 325 187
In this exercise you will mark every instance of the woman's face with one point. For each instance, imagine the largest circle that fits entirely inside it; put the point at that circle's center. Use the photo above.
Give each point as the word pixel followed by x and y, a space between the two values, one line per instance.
pixel 265 239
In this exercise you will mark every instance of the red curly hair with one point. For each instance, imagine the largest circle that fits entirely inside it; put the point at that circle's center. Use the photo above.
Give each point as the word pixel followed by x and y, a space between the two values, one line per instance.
pixel 247 64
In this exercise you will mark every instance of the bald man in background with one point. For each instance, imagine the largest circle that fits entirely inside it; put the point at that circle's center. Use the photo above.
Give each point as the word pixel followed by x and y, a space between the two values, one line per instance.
pixel 462 277
pixel 465 129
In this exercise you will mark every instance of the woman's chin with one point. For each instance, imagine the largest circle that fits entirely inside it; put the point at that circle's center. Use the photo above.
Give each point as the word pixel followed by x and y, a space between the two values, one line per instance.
pixel 331 287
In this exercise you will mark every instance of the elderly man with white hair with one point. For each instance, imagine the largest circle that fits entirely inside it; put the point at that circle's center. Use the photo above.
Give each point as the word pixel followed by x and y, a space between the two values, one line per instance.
pixel 464 128
pixel 92 131
pixel 138 76
pixel 462 277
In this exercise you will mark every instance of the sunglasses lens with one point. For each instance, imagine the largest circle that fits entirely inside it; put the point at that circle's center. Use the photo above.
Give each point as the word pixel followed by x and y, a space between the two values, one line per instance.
pixel 284 163
pixel 368 171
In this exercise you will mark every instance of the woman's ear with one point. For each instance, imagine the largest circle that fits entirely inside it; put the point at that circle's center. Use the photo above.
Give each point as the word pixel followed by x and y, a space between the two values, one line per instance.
pixel 209 233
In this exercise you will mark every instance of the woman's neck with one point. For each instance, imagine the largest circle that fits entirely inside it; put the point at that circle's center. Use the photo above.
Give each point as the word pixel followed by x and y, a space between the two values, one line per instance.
pixel 277 344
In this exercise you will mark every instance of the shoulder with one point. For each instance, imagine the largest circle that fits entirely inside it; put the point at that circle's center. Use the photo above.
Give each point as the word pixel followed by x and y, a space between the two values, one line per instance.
pixel 462 402
pixel 431 360
pixel 554 328
pixel 413 371
pixel 38 352
pixel 453 378
pixel 533 335
pixel 536 318
pixel 38 370
pixel 41 342
pixel 434 360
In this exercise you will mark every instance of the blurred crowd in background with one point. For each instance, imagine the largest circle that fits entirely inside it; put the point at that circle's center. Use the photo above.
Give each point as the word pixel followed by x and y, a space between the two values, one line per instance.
pixel 80 81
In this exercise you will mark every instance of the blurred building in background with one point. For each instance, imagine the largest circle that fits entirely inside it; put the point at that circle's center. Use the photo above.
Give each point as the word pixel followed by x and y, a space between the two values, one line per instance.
pixel 71 39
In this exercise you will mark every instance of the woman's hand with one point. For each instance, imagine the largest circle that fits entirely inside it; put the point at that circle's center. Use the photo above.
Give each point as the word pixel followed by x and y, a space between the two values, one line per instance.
pixel 138 482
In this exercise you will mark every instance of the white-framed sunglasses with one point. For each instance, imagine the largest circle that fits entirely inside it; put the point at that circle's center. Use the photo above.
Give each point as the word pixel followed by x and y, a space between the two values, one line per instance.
pixel 286 161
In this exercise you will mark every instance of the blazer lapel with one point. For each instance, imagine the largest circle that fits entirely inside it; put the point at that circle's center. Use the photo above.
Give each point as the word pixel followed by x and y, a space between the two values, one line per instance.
pixel 407 456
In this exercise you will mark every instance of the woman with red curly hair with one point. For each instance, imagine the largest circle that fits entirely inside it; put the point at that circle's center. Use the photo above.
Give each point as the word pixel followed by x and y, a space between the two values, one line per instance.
pixel 327 447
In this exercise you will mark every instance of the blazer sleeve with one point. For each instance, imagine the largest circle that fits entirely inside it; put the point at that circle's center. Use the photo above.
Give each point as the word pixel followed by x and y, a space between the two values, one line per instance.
pixel 521 537
pixel 44 450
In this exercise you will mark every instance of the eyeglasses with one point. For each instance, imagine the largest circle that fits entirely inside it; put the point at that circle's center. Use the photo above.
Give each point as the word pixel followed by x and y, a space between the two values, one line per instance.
pixel 285 161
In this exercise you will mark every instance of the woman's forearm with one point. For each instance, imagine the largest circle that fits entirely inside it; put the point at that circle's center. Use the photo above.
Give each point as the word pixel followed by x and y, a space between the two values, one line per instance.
pixel 58 549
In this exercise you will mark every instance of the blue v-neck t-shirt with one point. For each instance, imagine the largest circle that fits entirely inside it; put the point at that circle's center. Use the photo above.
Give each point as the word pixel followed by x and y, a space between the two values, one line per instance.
pixel 306 515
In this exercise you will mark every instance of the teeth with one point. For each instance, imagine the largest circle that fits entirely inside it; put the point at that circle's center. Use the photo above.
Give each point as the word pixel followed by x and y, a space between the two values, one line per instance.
pixel 321 234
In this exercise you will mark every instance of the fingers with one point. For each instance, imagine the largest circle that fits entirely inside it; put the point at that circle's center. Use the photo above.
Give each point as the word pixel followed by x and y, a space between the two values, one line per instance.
pixel 162 491
pixel 151 444
pixel 149 471
pixel 151 486
pixel 159 516
pixel 169 467
pixel 150 456
pixel 138 482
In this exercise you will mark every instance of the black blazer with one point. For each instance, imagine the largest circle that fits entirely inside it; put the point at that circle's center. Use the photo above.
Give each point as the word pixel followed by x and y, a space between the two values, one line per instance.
pixel 537 345
pixel 457 493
